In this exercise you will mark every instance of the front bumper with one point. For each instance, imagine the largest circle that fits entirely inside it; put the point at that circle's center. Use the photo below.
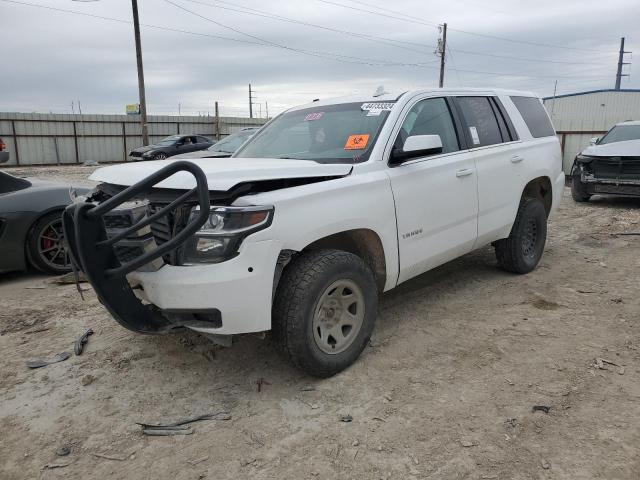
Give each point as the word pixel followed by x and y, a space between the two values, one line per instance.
pixel 239 289
pixel 92 250
pixel 610 175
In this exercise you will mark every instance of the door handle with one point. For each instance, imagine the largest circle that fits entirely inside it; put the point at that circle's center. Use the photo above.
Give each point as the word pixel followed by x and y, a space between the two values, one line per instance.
pixel 516 159
pixel 464 173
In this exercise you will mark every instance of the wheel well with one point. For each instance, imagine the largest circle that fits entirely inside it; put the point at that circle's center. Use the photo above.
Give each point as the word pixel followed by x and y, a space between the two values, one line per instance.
pixel 362 242
pixel 540 188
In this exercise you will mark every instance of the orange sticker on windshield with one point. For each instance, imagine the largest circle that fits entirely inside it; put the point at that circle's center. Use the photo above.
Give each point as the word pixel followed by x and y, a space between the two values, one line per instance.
pixel 356 142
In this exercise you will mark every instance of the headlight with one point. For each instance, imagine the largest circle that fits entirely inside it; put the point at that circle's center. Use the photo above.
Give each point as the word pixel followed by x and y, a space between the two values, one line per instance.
pixel 220 237
pixel 150 153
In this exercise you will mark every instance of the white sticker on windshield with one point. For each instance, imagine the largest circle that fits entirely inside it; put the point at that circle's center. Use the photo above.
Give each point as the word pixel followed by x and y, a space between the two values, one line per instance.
pixel 474 135
pixel 376 108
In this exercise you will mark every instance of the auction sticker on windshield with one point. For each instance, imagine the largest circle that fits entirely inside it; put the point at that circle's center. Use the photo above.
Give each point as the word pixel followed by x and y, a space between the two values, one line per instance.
pixel 357 142
pixel 376 108
pixel 313 116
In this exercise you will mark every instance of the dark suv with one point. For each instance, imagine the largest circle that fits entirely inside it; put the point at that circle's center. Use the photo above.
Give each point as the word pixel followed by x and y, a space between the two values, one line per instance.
pixel 611 165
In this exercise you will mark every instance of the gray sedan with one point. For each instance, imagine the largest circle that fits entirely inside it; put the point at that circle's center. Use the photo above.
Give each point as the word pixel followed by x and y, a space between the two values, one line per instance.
pixel 30 224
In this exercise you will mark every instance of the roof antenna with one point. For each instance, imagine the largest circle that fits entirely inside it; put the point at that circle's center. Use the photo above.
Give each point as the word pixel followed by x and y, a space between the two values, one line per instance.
pixel 380 91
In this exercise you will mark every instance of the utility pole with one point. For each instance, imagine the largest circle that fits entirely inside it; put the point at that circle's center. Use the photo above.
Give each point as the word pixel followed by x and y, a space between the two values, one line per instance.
pixel 217 121
pixel 143 102
pixel 621 63
pixel 266 107
pixel 250 103
pixel 442 49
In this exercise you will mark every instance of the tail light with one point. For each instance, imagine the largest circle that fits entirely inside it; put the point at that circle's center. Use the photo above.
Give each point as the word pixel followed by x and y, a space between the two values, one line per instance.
pixel 2 146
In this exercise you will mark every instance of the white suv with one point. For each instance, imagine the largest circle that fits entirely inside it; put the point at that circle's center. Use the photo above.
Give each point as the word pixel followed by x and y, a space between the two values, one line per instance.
pixel 326 207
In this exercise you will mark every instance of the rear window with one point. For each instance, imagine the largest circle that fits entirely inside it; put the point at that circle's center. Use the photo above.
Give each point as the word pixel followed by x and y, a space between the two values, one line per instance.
pixel 535 116
pixel 481 121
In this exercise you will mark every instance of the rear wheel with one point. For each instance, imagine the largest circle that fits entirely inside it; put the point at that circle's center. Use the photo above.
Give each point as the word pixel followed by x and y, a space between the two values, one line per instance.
pixel 521 251
pixel 45 245
pixel 324 311
pixel 579 190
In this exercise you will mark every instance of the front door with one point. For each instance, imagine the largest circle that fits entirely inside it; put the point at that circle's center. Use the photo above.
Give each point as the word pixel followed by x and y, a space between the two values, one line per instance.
pixel 436 196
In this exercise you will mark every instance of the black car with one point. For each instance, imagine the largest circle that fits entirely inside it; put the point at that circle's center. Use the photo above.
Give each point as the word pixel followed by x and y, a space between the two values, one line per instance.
pixel 31 224
pixel 170 146
pixel 225 147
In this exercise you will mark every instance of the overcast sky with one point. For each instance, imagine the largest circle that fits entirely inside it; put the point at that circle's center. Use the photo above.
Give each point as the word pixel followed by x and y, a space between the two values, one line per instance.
pixel 52 58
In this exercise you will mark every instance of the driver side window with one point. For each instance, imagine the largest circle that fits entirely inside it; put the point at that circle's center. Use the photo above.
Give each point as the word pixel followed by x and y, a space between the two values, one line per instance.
pixel 429 117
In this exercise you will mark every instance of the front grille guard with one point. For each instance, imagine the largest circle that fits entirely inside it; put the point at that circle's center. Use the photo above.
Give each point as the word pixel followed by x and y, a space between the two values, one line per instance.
pixel 93 251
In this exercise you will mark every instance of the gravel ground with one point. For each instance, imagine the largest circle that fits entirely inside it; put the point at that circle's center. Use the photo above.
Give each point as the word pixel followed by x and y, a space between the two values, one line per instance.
pixel 445 390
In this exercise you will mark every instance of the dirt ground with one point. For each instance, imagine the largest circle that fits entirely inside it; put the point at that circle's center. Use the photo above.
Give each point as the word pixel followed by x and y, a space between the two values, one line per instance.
pixel 445 389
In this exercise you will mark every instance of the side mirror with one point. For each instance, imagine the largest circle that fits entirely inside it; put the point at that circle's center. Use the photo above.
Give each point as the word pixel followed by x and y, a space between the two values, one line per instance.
pixel 418 146
pixel 594 141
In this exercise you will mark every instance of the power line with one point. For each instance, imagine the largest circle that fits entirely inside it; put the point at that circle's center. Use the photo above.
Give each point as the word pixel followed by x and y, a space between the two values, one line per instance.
pixel 261 13
pixel 359 60
pixel 262 42
pixel 524 59
pixel 405 18
pixel 313 53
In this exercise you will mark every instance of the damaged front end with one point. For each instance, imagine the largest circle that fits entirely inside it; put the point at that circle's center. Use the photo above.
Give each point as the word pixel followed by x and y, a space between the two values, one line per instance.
pixel 617 175
pixel 116 232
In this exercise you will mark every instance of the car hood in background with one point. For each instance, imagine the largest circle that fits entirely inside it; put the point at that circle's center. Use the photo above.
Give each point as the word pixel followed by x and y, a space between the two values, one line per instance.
pixel 629 148
pixel 222 174
pixel 202 154
pixel 148 148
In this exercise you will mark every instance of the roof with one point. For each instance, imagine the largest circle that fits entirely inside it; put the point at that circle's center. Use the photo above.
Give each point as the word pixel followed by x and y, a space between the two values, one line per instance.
pixel 392 97
pixel 629 122
pixel 603 90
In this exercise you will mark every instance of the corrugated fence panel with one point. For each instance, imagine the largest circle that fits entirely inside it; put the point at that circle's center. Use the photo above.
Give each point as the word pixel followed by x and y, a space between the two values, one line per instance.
pixel 47 139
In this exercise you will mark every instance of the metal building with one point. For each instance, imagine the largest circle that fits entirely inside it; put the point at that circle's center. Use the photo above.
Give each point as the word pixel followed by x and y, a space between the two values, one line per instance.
pixel 578 117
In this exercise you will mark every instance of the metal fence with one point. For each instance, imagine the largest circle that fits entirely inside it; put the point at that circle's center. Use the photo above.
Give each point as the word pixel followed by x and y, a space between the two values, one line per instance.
pixel 50 139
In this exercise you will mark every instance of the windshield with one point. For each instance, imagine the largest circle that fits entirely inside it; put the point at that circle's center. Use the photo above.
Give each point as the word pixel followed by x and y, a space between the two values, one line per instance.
pixel 231 143
pixel 169 140
pixel 343 133
pixel 621 133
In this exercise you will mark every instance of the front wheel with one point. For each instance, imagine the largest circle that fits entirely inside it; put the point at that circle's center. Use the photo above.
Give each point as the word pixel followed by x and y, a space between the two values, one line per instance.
pixel 160 156
pixel 579 190
pixel 324 311
pixel 45 246
pixel 521 251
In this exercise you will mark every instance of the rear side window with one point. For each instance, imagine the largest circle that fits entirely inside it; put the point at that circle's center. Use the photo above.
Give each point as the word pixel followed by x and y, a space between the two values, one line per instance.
pixel 534 116
pixel 482 124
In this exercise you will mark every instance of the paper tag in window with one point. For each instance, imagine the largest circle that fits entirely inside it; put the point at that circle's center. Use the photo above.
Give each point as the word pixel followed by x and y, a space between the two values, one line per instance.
pixel 313 116
pixel 474 135
pixel 357 142
pixel 376 108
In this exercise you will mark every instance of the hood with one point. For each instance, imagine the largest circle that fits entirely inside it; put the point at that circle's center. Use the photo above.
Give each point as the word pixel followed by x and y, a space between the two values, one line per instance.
pixel 145 149
pixel 628 148
pixel 222 173
pixel 202 154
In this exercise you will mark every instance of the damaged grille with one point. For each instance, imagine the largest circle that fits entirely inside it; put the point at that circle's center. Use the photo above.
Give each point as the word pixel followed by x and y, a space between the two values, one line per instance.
pixel 616 168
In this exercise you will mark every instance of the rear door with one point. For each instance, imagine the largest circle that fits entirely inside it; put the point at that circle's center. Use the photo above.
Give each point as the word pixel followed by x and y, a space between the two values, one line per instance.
pixel 499 161
pixel 435 196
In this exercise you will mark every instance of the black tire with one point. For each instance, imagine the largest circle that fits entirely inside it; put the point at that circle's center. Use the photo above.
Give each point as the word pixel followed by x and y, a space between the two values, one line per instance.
pixel 521 251
pixel 579 190
pixel 160 156
pixel 304 283
pixel 46 239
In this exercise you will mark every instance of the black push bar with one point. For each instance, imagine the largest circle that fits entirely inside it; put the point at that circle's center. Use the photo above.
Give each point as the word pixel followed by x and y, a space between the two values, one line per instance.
pixel 92 249
pixel 201 192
